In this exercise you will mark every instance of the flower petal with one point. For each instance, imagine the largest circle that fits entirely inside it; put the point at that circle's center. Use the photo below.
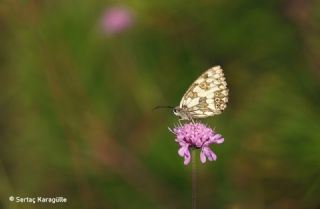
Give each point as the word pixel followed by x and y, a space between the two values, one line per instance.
pixel 203 158
pixel 209 153
pixel 187 158
pixel 183 150
pixel 217 139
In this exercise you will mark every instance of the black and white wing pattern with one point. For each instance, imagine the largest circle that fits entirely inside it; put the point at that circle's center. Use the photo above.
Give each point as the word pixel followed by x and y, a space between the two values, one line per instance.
pixel 207 96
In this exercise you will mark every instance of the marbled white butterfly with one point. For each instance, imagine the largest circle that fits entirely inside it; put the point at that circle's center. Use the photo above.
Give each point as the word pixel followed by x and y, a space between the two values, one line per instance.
pixel 207 96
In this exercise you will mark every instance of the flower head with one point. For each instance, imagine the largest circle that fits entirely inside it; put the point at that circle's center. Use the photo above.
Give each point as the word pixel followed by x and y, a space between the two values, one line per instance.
pixel 197 136
pixel 116 19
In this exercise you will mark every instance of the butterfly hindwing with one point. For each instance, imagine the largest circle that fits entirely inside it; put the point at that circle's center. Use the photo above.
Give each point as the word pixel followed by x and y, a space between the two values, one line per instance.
pixel 207 96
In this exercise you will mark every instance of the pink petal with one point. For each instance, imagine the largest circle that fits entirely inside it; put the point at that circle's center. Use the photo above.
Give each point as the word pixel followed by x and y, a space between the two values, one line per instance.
pixel 217 139
pixel 187 158
pixel 203 158
pixel 209 154
pixel 183 150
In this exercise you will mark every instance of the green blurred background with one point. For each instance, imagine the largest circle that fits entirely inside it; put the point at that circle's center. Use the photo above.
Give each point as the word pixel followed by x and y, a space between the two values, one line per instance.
pixel 76 103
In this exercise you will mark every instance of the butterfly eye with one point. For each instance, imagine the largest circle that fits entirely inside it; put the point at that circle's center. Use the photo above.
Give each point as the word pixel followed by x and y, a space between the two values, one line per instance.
pixel 176 111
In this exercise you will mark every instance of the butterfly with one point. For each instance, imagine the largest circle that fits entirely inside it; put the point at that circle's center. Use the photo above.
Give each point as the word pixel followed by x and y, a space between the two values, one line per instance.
pixel 207 96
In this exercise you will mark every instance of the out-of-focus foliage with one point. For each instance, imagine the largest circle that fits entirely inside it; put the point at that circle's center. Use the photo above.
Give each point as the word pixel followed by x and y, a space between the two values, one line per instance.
pixel 76 103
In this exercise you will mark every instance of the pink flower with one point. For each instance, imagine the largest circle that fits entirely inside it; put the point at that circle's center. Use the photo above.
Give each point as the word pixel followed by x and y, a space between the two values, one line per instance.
pixel 116 19
pixel 196 136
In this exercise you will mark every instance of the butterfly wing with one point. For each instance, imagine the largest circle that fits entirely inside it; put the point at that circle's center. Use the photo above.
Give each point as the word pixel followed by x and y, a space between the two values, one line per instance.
pixel 207 96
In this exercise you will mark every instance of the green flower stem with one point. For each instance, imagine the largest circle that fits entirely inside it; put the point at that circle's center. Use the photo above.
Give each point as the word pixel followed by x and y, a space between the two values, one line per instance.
pixel 194 178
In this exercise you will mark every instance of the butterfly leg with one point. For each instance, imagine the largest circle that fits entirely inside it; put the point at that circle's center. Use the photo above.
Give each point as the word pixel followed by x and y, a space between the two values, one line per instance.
pixel 190 118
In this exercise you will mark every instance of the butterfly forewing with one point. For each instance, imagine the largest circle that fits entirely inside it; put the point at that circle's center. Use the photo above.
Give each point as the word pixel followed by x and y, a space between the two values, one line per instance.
pixel 207 96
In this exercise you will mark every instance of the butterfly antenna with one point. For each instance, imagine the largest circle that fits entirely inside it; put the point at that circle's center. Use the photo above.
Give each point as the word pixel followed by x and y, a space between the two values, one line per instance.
pixel 160 107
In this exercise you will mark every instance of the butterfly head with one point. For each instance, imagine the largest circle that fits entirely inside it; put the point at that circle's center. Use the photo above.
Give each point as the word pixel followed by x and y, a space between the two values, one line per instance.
pixel 181 112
